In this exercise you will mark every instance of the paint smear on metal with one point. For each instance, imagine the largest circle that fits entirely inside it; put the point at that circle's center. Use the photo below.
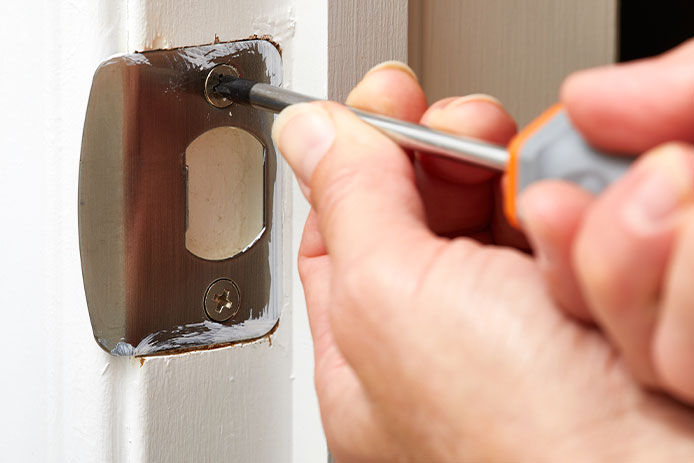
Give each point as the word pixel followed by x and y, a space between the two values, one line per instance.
pixel 195 334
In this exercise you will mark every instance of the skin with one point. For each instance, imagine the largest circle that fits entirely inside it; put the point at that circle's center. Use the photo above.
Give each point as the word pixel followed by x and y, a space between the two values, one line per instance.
pixel 603 259
pixel 437 338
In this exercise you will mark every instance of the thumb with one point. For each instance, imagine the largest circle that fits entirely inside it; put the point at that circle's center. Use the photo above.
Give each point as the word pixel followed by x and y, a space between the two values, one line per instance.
pixel 632 107
pixel 369 213
pixel 362 184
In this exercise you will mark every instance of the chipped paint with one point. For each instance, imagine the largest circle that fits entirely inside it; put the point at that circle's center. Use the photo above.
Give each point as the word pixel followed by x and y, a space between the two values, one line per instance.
pixel 207 334
pixel 281 27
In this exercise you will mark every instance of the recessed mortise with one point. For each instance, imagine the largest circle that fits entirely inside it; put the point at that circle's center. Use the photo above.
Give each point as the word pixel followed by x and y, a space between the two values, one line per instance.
pixel 225 193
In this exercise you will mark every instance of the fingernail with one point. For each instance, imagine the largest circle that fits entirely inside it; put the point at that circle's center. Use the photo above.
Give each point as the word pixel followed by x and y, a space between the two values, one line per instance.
pixel 395 65
pixel 462 101
pixel 440 113
pixel 665 184
pixel 303 133
pixel 473 97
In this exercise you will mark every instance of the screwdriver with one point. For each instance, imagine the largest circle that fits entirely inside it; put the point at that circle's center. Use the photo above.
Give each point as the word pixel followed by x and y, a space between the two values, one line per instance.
pixel 549 148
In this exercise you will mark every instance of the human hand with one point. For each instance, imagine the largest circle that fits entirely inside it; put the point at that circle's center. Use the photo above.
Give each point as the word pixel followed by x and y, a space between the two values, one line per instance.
pixel 625 260
pixel 430 348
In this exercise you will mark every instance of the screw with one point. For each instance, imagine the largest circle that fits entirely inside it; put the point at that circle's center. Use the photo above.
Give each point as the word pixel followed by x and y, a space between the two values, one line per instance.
pixel 212 80
pixel 222 300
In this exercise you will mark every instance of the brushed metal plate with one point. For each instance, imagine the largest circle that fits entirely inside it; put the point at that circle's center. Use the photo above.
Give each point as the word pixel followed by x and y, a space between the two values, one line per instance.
pixel 145 291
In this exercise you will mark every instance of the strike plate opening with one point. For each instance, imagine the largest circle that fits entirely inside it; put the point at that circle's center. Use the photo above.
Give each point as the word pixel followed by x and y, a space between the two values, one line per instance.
pixel 225 193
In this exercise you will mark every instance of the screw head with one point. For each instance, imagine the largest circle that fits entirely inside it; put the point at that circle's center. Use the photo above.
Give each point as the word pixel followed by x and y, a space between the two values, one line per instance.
pixel 222 300
pixel 212 80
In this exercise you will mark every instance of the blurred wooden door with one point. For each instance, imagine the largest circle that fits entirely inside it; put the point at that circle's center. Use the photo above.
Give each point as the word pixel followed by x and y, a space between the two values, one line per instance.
pixel 519 51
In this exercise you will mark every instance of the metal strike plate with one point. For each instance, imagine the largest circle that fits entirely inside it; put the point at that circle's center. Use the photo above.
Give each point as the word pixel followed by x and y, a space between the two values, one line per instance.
pixel 146 290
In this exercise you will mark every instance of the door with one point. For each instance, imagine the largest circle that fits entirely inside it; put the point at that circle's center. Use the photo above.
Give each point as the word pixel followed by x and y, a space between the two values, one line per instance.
pixel 63 398
pixel 518 51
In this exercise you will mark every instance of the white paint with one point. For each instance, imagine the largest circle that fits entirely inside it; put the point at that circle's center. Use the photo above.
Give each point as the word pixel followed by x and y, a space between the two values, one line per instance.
pixel 280 28
pixel 52 391
pixel 225 193
pixel 154 24
pixel 63 398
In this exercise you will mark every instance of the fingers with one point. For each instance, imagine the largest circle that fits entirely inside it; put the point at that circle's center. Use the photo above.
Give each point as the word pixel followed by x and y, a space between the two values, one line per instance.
pixel 674 339
pixel 314 268
pixel 370 214
pixel 454 209
pixel 635 106
pixel 551 213
pixel 459 198
pixel 621 252
pixel 339 391
pixel 504 233
pixel 477 116
pixel 364 184
pixel 391 89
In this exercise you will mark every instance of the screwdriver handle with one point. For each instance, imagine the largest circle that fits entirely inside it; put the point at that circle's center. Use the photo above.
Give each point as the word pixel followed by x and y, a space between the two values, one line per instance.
pixel 551 148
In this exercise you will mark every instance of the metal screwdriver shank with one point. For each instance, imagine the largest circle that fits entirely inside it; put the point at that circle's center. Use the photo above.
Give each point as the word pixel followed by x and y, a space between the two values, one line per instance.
pixel 417 137
pixel 405 134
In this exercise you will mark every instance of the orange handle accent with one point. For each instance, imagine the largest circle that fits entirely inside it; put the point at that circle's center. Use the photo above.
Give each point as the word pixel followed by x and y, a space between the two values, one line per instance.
pixel 515 148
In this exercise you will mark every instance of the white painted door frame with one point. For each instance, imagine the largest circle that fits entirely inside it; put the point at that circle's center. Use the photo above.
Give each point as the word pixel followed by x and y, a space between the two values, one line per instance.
pixel 63 398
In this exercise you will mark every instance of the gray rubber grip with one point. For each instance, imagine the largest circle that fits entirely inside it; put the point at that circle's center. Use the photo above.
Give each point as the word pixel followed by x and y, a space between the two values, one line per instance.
pixel 558 151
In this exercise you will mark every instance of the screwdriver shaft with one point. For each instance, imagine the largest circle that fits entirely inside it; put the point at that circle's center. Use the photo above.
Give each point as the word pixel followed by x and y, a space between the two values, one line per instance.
pixel 405 134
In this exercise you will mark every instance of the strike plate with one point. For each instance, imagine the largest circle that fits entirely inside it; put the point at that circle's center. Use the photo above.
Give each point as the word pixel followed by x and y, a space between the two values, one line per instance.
pixel 146 292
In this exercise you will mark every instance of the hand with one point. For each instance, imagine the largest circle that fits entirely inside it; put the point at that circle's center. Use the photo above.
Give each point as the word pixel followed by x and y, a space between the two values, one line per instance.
pixel 625 260
pixel 430 348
